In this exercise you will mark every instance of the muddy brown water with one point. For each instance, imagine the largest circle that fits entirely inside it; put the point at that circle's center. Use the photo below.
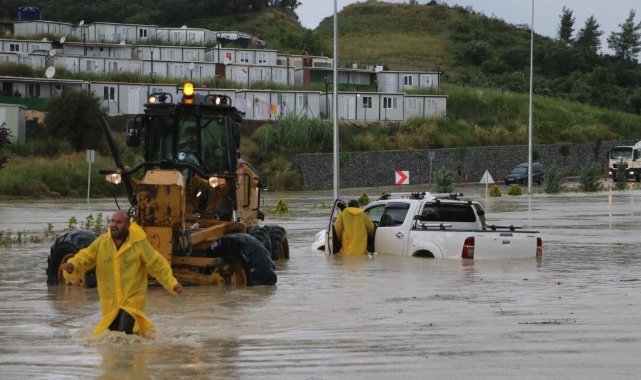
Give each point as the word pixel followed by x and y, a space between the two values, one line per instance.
pixel 575 315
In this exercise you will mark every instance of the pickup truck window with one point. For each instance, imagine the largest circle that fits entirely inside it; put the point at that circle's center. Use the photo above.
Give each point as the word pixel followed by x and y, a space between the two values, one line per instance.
pixel 394 214
pixel 448 213
pixel 375 213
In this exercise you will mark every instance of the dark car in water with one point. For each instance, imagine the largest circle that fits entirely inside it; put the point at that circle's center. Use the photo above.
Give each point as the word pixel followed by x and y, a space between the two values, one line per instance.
pixel 519 174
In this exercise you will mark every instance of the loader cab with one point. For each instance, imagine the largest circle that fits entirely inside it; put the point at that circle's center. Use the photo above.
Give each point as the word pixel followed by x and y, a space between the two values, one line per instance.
pixel 197 135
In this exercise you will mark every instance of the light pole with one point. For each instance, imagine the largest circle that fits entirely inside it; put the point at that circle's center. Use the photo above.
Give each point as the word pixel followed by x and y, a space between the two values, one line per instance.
pixel 529 154
pixel 327 82
pixel 81 25
pixel 335 102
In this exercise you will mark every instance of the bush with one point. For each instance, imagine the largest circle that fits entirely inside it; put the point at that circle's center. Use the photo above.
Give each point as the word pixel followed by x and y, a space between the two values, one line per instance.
pixel 515 190
pixel 363 199
pixel 552 179
pixel 621 176
pixel 590 177
pixel 281 207
pixel 495 191
pixel 444 180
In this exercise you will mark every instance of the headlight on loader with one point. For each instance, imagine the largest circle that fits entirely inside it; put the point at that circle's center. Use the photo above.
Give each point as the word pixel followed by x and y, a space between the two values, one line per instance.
pixel 114 178
pixel 216 182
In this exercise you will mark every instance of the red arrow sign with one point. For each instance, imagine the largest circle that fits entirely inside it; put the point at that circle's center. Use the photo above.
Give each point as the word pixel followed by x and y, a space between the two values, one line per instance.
pixel 402 177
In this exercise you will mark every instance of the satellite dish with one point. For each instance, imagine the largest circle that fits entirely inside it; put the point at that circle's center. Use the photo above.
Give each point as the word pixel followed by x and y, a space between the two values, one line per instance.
pixel 191 65
pixel 52 52
pixel 50 72
pixel 81 23
pixel 63 39
pixel 122 43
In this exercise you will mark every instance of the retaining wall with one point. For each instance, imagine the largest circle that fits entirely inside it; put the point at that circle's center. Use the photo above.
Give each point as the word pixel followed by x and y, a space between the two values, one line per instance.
pixel 366 169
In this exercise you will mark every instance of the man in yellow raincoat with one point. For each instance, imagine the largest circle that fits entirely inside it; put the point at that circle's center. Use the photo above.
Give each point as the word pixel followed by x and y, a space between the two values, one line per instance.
pixel 352 228
pixel 123 257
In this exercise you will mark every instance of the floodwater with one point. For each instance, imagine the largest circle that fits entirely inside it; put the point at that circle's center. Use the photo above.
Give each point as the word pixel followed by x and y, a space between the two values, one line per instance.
pixel 575 315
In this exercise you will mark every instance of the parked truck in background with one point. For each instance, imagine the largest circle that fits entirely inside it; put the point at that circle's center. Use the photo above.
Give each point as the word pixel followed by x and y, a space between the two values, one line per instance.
pixel 626 159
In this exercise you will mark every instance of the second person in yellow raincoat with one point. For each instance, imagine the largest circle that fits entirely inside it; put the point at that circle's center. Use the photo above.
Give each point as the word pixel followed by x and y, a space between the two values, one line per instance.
pixel 352 227
pixel 123 257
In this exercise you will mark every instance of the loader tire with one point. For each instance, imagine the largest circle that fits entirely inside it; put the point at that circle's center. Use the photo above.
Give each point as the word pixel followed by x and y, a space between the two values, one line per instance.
pixel 253 255
pixel 261 234
pixel 65 247
pixel 279 246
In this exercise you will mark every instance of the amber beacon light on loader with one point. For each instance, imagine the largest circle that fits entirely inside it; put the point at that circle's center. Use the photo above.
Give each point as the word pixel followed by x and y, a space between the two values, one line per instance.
pixel 196 199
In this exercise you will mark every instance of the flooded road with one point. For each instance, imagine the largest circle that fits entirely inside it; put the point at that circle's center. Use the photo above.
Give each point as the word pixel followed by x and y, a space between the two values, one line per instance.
pixel 575 315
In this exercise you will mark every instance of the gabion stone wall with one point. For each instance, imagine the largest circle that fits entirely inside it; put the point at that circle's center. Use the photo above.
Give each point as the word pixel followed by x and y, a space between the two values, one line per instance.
pixel 365 169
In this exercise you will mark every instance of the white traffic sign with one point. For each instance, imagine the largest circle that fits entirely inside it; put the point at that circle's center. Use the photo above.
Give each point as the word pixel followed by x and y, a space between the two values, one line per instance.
pixel 90 155
pixel 487 178
pixel 402 177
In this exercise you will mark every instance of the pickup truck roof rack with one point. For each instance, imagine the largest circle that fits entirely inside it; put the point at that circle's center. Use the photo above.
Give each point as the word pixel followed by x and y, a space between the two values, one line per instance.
pixel 419 195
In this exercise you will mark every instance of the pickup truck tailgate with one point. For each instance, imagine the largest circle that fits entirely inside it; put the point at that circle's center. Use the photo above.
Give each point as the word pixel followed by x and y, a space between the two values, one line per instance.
pixel 505 244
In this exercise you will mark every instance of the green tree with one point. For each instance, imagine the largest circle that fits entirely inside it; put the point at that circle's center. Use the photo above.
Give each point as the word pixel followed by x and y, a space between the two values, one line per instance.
pixel 626 43
pixel 4 140
pixel 75 117
pixel 566 28
pixel 589 38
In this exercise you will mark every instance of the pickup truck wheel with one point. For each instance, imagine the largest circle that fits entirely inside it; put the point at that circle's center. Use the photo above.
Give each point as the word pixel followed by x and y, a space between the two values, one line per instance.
pixel 242 251
pixel 279 247
pixel 425 254
pixel 64 248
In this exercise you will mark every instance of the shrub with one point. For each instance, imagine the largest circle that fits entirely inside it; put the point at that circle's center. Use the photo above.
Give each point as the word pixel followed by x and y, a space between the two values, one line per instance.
pixel 515 190
pixel 444 180
pixel 363 199
pixel 590 177
pixel 495 191
pixel 621 175
pixel 552 179
pixel 281 207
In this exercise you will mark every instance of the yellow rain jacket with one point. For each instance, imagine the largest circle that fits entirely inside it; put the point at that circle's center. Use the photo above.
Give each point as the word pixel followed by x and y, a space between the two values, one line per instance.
pixel 352 228
pixel 122 276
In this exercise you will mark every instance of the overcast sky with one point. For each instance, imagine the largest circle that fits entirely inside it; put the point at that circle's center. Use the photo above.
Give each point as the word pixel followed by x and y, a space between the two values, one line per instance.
pixel 608 13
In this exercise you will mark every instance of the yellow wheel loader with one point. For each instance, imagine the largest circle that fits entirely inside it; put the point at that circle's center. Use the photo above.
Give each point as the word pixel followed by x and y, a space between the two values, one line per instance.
pixel 197 200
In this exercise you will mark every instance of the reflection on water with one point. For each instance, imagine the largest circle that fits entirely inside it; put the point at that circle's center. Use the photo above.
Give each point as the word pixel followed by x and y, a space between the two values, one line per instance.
pixel 576 314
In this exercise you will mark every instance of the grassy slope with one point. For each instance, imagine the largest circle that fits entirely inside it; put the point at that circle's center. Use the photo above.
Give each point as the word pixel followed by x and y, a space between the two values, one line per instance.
pixel 401 36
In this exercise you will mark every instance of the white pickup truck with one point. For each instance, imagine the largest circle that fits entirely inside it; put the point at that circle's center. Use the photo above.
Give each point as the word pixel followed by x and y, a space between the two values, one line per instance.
pixel 443 226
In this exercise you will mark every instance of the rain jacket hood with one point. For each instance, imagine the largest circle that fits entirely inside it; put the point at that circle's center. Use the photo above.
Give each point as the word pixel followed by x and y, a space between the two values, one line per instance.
pixel 122 275
pixel 352 228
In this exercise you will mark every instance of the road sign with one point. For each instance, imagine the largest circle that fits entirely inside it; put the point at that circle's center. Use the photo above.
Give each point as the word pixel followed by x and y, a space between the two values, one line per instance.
pixel 90 155
pixel 487 178
pixel 402 177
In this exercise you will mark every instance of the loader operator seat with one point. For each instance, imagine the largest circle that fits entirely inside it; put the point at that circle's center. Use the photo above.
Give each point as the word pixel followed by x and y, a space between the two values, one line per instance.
pixel 188 147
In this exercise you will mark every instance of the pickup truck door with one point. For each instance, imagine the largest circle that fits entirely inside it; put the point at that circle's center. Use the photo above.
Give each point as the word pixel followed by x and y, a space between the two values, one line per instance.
pixel 333 245
pixel 391 232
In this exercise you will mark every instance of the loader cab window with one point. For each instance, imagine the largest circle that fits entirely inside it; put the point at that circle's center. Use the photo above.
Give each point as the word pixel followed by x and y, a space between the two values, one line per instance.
pixel 215 145
pixel 160 138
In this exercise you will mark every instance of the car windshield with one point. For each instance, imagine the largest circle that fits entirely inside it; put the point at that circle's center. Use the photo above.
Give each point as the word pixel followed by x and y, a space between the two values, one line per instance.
pixel 520 170
pixel 621 153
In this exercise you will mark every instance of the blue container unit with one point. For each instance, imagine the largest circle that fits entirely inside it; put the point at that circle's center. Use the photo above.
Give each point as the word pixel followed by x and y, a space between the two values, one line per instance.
pixel 29 14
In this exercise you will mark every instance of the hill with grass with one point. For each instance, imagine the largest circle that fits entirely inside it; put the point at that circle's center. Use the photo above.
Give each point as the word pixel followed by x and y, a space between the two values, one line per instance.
pixel 472 49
